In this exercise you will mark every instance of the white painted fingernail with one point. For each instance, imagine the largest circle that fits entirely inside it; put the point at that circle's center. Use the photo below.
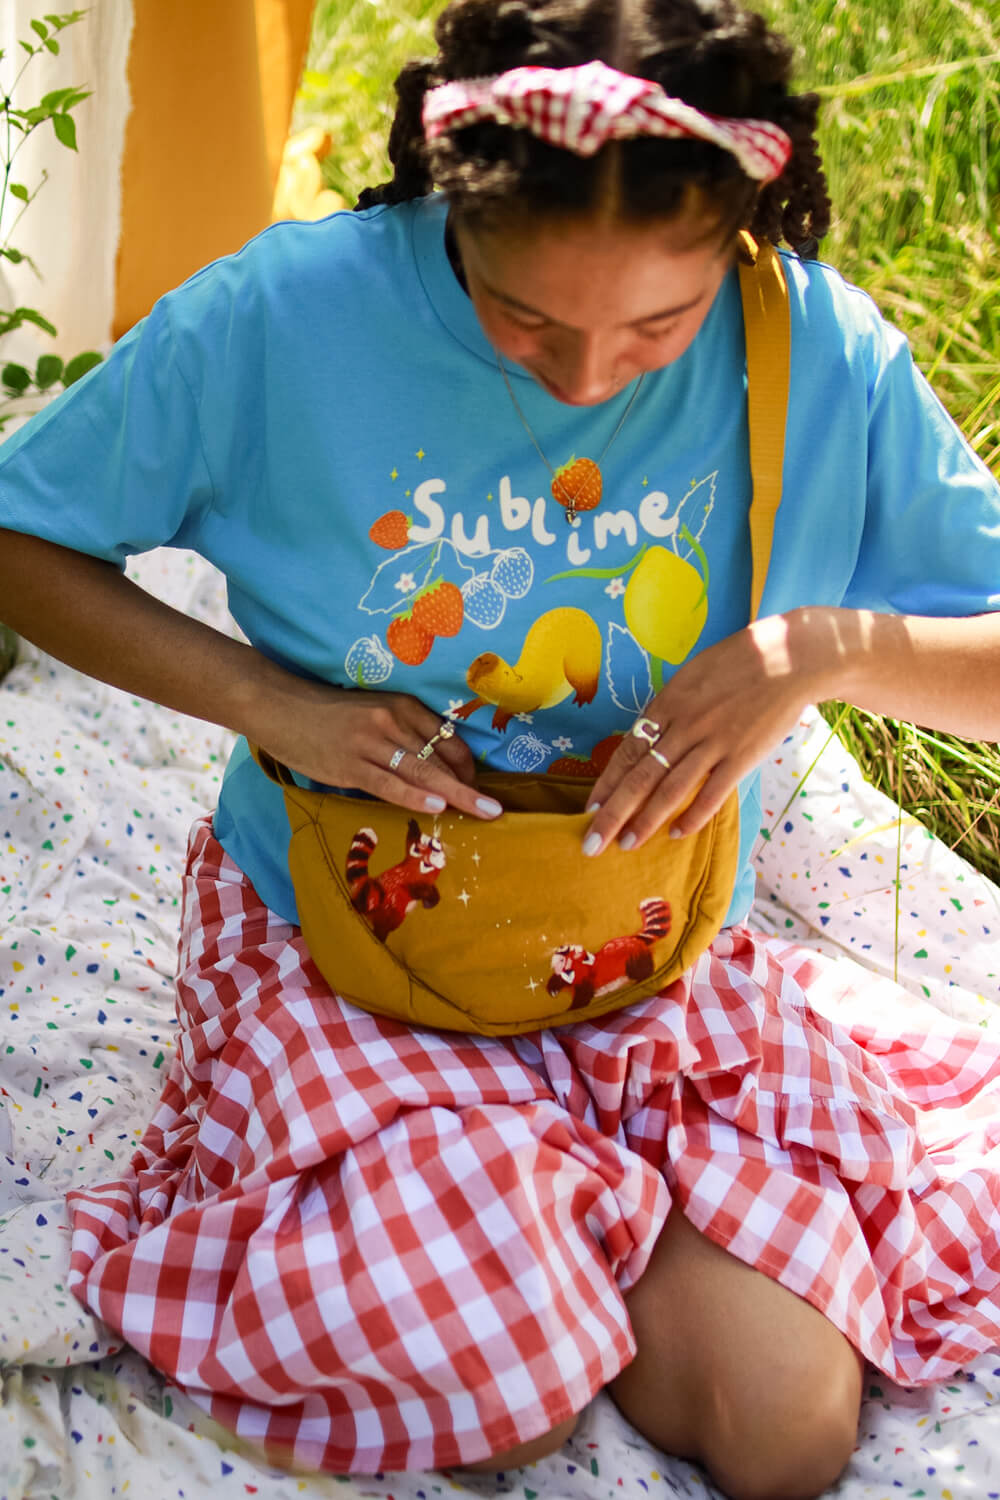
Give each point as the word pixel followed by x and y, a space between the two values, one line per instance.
pixel 592 807
pixel 627 841
pixel 592 843
pixel 676 833
pixel 489 807
pixel 435 804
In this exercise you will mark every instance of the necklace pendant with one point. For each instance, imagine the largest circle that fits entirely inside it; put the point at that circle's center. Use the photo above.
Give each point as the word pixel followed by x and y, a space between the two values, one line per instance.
pixel 577 486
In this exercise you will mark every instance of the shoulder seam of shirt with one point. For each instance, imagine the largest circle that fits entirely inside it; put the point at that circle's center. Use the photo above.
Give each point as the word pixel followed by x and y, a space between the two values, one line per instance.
pixel 168 319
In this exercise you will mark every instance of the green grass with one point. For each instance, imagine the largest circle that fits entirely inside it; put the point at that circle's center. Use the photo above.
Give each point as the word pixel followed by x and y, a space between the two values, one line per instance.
pixel 358 47
pixel 911 143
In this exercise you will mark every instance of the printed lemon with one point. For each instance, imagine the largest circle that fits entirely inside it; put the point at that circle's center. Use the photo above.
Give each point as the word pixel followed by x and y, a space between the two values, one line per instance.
pixel 666 604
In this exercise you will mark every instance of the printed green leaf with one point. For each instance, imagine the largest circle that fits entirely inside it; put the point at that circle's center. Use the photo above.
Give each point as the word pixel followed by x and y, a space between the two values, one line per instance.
pixel 19 190
pixel 40 29
pixel 699 553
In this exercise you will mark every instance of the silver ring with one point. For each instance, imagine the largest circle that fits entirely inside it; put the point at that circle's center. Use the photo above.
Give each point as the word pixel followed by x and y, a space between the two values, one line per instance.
pixel 396 759
pixel 445 732
pixel 659 757
pixel 647 729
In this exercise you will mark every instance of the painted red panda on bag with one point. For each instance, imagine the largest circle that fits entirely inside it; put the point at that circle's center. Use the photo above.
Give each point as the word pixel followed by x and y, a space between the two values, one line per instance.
pixel 385 900
pixel 617 962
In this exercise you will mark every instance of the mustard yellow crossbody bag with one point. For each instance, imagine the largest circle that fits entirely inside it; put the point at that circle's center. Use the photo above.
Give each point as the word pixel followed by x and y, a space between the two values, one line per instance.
pixel 505 926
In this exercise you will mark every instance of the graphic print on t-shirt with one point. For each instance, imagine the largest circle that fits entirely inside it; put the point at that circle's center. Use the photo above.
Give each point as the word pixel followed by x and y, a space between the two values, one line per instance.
pixel 631 600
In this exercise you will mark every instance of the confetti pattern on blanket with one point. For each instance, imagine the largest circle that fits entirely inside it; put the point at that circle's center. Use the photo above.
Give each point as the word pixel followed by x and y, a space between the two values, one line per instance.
pixel 97 791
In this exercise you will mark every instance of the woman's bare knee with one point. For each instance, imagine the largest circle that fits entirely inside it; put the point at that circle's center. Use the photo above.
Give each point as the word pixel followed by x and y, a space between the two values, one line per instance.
pixel 738 1372
pixel 524 1453
pixel 791 1431
pixel 797 1460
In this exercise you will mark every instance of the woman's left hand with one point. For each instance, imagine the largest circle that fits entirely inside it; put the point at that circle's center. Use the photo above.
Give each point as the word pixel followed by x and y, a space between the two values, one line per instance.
pixel 718 717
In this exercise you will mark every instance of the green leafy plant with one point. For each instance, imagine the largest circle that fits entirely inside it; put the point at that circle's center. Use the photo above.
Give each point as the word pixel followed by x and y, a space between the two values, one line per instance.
pixel 18 122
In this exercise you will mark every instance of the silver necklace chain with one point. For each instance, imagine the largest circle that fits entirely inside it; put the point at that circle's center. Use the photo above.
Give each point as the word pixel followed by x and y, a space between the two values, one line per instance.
pixel 570 512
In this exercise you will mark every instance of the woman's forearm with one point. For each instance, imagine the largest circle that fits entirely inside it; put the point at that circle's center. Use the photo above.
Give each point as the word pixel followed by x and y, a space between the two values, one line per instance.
pixel 86 613
pixel 941 673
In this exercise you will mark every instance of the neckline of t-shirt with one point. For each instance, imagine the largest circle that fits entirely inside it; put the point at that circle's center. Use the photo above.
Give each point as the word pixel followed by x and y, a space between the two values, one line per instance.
pixel 442 288
pixel 453 306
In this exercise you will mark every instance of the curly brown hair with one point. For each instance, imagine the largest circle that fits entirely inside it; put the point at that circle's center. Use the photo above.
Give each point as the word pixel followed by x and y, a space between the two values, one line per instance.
pixel 713 54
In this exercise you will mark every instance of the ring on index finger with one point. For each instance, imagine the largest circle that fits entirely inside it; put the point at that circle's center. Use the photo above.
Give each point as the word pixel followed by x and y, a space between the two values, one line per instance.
pixel 647 729
pixel 445 732
pixel 396 759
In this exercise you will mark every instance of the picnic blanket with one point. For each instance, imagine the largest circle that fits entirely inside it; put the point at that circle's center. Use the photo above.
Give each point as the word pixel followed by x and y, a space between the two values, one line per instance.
pixel 97 792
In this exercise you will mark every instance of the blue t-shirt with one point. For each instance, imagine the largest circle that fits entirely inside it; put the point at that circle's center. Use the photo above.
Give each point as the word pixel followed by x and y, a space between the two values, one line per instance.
pixel 322 417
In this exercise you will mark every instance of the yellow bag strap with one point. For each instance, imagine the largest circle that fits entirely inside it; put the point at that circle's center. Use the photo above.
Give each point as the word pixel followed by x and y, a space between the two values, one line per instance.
pixel 767 325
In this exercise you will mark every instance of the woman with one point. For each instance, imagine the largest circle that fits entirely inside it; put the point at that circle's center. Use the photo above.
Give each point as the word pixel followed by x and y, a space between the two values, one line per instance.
pixel 371 1245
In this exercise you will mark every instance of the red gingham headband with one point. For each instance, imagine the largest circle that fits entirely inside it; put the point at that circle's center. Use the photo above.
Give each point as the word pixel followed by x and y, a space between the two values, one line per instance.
pixel 581 108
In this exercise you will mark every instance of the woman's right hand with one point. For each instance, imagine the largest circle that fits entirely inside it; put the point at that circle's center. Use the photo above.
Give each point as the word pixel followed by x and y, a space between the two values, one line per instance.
pixel 347 737
pixel 88 614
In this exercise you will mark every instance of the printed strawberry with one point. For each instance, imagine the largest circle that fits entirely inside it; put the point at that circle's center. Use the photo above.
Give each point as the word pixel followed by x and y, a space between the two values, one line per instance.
pixel 512 572
pixel 368 662
pixel 390 531
pixel 587 768
pixel 408 641
pixel 484 603
pixel 440 610
pixel 527 752
pixel 604 749
pixel 578 485
pixel 573 765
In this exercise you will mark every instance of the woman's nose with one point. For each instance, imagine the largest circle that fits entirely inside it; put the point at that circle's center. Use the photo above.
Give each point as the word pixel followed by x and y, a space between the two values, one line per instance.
pixel 585 370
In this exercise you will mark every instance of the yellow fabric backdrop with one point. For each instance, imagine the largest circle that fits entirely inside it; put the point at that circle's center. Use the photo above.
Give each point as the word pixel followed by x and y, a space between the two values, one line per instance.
pixel 212 84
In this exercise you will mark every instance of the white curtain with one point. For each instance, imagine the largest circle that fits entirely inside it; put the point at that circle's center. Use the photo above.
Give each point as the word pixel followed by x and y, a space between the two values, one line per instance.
pixel 71 230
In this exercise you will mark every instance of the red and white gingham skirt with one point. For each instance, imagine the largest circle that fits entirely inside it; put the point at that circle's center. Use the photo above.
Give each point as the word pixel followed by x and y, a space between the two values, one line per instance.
pixel 371 1247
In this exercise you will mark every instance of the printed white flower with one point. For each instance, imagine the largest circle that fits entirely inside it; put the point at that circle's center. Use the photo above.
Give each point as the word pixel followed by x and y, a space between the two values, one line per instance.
pixel 454 704
pixel 562 743
pixel 406 583
pixel 615 588
pixel 525 718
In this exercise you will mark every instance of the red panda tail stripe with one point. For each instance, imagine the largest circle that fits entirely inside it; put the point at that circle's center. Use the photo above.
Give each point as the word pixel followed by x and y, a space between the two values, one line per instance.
pixel 655 919
pixel 362 847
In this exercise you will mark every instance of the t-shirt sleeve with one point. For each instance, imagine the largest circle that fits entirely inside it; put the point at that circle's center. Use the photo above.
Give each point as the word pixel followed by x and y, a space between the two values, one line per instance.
pixel 116 465
pixel 931 540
